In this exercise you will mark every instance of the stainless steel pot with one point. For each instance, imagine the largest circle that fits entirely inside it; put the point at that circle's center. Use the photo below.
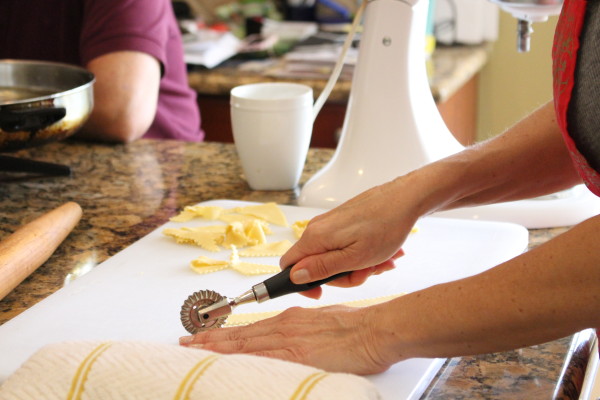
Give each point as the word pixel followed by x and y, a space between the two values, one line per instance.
pixel 42 102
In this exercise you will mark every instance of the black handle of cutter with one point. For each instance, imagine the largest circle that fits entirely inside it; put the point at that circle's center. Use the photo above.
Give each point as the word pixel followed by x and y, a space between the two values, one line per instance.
pixel 281 284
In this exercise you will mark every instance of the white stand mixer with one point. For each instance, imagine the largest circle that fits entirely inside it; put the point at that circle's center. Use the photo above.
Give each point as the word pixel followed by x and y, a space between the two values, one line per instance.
pixel 392 126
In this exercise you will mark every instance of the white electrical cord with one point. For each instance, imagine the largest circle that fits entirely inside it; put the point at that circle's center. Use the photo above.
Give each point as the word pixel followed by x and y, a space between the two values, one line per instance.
pixel 337 69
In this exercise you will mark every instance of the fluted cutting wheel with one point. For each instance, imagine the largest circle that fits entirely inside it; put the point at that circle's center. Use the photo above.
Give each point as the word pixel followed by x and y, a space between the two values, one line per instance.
pixel 195 302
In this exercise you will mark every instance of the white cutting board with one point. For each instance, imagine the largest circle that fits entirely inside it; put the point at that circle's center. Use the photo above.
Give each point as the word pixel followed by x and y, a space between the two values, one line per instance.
pixel 137 294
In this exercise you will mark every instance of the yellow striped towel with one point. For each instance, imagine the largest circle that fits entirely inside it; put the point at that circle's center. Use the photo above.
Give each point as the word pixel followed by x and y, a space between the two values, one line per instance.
pixel 156 371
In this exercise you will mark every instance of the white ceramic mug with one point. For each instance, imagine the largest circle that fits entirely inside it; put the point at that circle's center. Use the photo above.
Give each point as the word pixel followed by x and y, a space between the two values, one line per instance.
pixel 272 125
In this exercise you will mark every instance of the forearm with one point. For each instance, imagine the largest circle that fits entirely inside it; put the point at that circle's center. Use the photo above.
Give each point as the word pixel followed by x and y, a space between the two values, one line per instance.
pixel 528 160
pixel 544 294
pixel 125 96
pixel 368 230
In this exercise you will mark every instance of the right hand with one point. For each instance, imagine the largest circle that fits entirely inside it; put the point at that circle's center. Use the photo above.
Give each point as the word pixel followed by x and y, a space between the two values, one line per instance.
pixel 363 235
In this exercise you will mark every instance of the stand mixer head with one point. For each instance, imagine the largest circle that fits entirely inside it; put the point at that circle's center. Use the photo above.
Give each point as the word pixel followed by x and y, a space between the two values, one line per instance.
pixel 527 12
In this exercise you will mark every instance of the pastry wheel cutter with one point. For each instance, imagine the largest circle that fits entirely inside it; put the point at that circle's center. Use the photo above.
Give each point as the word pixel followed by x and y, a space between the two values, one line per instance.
pixel 206 309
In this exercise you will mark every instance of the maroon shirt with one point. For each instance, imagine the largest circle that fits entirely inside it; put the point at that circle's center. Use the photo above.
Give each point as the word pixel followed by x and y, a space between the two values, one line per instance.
pixel 77 31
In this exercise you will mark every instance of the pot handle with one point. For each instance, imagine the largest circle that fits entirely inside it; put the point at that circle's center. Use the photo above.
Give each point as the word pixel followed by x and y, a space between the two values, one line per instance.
pixel 30 119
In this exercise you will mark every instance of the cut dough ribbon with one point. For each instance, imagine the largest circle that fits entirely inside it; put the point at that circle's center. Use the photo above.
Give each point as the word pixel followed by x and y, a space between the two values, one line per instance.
pixel 250 318
pixel 205 265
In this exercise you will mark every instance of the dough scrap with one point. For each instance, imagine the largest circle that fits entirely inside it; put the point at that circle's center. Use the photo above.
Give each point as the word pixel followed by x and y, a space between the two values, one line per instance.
pixel 206 212
pixel 207 237
pixel 275 249
pixel 235 235
pixel 250 268
pixel 250 233
pixel 256 232
pixel 205 265
pixel 231 217
pixel 211 237
pixel 269 212
pixel 298 227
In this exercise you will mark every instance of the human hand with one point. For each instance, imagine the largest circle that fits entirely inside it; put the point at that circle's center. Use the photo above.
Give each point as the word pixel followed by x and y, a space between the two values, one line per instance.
pixel 335 338
pixel 355 278
pixel 363 235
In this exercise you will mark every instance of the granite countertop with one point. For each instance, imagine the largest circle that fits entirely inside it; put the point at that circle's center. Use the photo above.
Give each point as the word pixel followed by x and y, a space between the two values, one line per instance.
pixel 449 68
pixel 127 191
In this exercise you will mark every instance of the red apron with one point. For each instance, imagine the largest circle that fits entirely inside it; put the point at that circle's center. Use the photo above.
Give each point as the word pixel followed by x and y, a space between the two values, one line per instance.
pixel 564 58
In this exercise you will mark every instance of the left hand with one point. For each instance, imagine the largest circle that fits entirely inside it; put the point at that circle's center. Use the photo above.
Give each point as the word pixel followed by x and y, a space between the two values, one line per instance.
pixel 335 338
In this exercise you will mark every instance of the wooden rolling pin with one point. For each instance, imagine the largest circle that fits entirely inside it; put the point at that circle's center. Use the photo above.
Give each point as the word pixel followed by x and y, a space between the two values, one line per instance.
pixel 30 246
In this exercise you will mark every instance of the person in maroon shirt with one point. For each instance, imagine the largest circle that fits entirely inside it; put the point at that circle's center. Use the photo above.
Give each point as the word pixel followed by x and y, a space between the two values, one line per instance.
pixel 133 47
pixel 548 292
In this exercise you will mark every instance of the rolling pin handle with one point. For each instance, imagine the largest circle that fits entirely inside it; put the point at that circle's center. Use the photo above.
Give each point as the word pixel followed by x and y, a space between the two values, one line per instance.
pixel 30 246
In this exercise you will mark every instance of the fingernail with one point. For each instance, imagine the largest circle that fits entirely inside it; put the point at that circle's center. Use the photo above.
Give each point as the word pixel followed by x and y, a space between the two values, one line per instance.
pixel 195 346
pixel 399 253
pixel 300 276
pixel 185 339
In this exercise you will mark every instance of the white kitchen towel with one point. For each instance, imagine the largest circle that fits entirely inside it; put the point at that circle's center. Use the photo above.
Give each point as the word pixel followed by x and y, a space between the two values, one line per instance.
pixel 140 370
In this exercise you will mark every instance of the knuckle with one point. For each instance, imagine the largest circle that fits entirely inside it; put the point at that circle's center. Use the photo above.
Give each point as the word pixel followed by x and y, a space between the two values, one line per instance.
pixel 290 312
pixel 320 269
pixel 285 319
pixel 295 353
pixel 240 345
pixel 316 230
pixel 233 335
pixel 300 353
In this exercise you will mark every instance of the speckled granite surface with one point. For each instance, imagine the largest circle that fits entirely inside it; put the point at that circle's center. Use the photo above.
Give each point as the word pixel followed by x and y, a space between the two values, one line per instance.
pixel 126 191
pixel 449 68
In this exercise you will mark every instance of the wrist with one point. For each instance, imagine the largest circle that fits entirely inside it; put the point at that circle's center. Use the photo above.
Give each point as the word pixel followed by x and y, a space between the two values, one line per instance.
pixel 434 187
pixel 389 336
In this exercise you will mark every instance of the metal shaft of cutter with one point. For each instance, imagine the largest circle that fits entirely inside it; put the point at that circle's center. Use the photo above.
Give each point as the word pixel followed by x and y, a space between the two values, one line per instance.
pixel 223 308
pixel 276 286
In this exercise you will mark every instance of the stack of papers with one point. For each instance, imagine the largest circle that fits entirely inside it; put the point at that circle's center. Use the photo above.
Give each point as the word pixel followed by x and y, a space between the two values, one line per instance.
pixel 210 48
pixel 316 58
pixel 289 30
